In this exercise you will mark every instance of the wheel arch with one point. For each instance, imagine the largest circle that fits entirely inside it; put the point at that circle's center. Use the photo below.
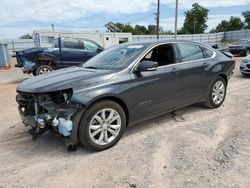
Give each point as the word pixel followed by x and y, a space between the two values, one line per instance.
pixel 224 77
pixel 115 99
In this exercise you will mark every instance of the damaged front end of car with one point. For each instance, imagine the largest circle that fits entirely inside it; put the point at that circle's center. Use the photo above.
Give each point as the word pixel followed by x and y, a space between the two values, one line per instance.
pixel 52 110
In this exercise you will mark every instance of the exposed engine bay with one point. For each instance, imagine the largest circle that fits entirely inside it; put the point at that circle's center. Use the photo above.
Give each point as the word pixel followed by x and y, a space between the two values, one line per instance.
pixel 46 111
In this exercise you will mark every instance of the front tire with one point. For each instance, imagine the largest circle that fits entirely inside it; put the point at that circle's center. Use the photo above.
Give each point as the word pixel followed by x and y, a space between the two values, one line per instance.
pixel 102 125
pixel 217 93
pixel 247 52
pixel 43 69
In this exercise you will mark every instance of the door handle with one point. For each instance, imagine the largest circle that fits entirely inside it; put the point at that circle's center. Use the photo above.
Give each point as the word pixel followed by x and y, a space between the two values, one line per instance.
pixel 175 70
pixel 205 64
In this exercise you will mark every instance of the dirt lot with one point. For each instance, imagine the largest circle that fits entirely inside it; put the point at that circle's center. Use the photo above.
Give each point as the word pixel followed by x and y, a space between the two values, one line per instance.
pixel 195 147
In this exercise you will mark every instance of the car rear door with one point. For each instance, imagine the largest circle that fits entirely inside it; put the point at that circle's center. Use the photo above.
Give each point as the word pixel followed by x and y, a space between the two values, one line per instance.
pixel 156 91
pixel 72 52
pixel 194 67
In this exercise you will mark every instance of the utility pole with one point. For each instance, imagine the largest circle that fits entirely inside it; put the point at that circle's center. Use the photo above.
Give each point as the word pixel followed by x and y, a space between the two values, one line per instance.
pixel 52 25
pixel 158 19
pixel 194 24
pixel 176 19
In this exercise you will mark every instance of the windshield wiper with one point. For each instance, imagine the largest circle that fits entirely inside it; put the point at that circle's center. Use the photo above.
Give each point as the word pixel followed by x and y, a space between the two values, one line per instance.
pixel 90 67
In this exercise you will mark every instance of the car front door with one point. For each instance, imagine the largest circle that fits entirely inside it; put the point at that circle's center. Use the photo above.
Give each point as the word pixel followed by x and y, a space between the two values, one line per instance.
pixel 90 50
pixel 195 81
pixel 159 90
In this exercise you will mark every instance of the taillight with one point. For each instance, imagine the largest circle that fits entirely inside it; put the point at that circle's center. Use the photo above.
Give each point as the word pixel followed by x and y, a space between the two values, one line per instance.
pixel 234 61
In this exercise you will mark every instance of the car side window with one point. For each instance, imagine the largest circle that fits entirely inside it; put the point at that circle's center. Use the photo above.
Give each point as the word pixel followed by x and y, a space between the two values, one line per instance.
pixel 190 52
pixel 163 54
pixel 206 52
pixel 90 45
pixel 71 43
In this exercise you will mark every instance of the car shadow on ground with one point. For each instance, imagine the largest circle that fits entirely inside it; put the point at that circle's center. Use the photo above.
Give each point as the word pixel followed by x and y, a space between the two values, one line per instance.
pixel 51 143
pixel 173 116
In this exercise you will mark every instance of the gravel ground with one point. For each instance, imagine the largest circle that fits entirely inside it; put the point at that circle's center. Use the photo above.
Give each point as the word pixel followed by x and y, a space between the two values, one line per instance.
pixel 193 147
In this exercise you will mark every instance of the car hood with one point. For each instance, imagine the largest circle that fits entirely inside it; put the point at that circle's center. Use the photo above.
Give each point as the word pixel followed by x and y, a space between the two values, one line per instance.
pixel 62 79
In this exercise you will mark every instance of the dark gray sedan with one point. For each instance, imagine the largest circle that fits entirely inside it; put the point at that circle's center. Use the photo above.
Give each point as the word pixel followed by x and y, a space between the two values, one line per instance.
pixel 94 103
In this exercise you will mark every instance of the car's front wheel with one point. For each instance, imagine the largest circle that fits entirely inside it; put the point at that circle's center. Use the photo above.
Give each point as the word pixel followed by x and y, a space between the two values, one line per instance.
pixel 102 125
pixel 217 93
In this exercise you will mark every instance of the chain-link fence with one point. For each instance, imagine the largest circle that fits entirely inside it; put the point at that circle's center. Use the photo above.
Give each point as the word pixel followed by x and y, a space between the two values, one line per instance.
pixel 236 35
pixel 18 44
pixel 21 44
pixel 204 38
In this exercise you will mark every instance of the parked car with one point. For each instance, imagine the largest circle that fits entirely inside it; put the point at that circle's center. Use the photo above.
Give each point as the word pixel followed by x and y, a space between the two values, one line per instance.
pixel 220 46
pixel 125 84
pixel 241 47
pixel 245 66
pixel 65 52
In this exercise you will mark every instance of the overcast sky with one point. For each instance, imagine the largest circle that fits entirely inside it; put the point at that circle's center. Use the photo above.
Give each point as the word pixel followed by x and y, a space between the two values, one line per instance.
pixel 18 17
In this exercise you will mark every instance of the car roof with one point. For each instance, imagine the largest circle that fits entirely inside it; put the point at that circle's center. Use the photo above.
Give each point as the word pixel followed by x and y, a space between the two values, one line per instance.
pixel 155 42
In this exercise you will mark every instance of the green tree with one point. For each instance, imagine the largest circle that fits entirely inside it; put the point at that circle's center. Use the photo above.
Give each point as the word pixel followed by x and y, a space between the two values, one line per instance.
pixel 26 36
pixel 195 19
pixel 234 23
pixel 246 16
pixel 140 30
pixel 127 28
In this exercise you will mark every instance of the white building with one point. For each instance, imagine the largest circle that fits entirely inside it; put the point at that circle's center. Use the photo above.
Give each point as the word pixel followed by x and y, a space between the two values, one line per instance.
pixel 44 38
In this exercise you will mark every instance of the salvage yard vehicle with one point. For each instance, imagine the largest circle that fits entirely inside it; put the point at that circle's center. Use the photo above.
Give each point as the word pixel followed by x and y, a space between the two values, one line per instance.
pixel 220 46
pixel 245 66
pixel 94 103
pixel 241 47
pixel 65 52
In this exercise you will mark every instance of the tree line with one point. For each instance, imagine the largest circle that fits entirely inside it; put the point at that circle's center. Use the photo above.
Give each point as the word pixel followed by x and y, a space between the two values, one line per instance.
pixel 195 22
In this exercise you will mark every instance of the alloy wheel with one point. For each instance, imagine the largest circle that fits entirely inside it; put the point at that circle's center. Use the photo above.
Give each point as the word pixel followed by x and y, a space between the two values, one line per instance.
pixel 218 92
pixel 105 126
pixel 44 70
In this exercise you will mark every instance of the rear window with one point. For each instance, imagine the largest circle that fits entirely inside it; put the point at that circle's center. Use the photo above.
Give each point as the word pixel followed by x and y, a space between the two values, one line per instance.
pixel 190 52
pixel 90 45
pixel 73 43
pixel 207 53
pixel 55 43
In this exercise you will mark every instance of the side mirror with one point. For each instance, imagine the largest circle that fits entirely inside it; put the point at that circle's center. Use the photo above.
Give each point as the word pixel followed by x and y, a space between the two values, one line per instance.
pixel 147 66
pixel 100 49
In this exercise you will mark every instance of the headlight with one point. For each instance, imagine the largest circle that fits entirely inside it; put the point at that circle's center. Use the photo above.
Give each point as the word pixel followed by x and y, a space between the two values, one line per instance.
pixel 245 61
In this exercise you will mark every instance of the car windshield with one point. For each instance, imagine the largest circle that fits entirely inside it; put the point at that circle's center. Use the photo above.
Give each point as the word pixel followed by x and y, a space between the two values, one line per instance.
pixel 117 57
pixel 241 42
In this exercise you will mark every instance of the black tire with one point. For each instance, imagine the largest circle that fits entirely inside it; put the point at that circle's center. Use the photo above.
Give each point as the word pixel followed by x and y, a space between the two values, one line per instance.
pixel 41 68
pixel 210 102
pixel 245 75
pixel 84 127
pixel 247 52
pixel 34 72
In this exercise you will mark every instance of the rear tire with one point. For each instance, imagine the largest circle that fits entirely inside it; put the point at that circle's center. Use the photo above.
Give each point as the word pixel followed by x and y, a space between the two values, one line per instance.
pixel 217 93
pixel 247 52
pixel 102 125
pixel 43 69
